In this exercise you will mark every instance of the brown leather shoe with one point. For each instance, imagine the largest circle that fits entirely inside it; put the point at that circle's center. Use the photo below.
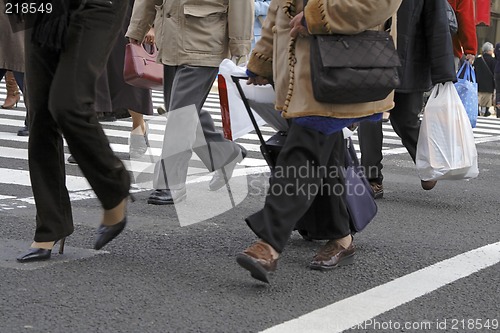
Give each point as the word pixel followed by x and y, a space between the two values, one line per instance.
pixel 258 260
pixel 428 184
pixel 378 190
pixel 332 255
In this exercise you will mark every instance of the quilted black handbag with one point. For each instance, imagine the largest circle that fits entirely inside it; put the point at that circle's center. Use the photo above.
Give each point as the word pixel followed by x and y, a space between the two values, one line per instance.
pixel 354 68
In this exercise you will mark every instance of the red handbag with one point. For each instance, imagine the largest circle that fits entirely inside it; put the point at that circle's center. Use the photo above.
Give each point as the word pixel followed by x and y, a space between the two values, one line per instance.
pixel 140 67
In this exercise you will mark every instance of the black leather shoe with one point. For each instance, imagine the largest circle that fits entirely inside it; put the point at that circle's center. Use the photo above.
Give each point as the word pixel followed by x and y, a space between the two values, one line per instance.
pixel 106 116
pixel 23 131
pixel 167 197
pixel 223 175
pixel 35 255
pixel 106 234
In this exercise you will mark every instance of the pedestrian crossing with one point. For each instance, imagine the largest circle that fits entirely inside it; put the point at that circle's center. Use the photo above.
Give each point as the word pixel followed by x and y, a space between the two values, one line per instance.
pixel 15 188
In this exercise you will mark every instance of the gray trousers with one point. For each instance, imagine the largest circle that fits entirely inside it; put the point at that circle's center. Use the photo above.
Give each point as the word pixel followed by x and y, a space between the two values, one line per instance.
pixel 189 128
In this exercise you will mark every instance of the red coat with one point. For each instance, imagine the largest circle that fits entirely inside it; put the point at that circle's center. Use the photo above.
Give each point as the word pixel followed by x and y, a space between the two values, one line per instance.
pixel 465 40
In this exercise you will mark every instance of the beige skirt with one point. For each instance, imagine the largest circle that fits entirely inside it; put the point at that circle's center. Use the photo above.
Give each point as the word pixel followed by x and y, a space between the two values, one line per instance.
pixel 485 99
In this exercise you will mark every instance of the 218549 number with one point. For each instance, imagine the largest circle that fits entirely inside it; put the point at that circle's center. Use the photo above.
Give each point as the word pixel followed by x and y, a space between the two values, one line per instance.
pixel 27 8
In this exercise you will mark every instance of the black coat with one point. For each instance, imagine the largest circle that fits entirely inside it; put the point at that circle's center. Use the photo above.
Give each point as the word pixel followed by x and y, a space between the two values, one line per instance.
pixel 485 67
pixel 497 56
pixel 424 45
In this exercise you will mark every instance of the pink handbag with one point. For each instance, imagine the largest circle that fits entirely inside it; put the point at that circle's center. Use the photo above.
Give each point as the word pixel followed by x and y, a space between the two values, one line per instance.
pixel 140 67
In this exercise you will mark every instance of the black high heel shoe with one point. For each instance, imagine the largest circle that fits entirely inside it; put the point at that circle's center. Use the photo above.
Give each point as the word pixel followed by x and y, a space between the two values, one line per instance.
pixel 37 254
pixel 106 233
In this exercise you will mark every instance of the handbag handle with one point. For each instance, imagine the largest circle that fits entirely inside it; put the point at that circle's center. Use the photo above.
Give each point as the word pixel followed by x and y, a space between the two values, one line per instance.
pixel 472 73
pixel 141 51
pixel 461 69
pixel 469 74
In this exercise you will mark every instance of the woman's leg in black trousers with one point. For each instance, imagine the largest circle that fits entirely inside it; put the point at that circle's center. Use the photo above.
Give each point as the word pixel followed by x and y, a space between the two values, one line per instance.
pixel 307 161
pixel 62 92
pixel 404 119
pixel 45 151
pixel 371 136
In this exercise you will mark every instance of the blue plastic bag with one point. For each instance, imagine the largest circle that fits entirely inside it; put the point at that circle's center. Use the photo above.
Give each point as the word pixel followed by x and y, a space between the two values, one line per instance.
pixel 467 90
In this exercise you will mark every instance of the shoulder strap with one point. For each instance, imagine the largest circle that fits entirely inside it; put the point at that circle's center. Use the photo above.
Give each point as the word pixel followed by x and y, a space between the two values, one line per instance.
pixel 487 67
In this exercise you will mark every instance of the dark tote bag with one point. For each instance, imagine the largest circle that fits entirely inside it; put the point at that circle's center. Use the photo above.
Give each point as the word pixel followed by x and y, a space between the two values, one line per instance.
pixel 358 192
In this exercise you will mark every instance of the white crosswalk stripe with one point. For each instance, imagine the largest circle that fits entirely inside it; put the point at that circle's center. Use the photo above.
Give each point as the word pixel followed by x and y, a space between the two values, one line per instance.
pixel 14 151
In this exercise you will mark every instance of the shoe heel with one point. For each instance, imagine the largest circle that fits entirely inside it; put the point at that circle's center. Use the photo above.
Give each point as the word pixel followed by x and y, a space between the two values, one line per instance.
pixel 61 245
pixel 347 261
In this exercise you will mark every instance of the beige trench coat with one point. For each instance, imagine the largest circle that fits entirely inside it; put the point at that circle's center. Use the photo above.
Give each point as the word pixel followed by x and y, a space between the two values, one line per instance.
pixel 278 56
pixel 11 43
pixel 193 32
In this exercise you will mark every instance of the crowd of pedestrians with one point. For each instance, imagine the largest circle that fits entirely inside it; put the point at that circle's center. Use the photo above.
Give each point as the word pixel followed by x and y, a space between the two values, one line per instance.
pixel 74 61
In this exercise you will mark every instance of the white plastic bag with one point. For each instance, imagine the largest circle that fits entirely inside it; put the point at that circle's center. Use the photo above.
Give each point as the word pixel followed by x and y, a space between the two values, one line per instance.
pixel 446 147
pixel 240 123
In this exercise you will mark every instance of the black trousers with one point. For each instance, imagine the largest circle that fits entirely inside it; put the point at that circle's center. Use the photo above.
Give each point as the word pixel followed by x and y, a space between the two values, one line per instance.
pixel 370 144
pixel 307 173
pixel 62 93
pixel 404 121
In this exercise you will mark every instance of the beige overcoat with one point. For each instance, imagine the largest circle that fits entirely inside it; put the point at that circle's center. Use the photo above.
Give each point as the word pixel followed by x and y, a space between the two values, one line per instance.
pixel 286 60
pixel 194 32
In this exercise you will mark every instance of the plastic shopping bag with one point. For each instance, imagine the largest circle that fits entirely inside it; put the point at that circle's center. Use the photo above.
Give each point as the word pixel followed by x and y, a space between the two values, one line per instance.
pixel 467 90
pixel 236 122
pixel 446 147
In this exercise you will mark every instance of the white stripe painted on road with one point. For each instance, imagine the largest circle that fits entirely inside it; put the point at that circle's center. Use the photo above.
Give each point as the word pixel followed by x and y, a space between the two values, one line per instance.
pixel 6 112
pixel 12 122
pixel 486 130
pixel 15 153
pixel 488 139
pixel 21 177
pixel 193 179
pixel 362 307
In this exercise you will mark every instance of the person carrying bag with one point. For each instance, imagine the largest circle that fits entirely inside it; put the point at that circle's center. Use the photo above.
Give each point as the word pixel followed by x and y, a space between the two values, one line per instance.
pixel 446 148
